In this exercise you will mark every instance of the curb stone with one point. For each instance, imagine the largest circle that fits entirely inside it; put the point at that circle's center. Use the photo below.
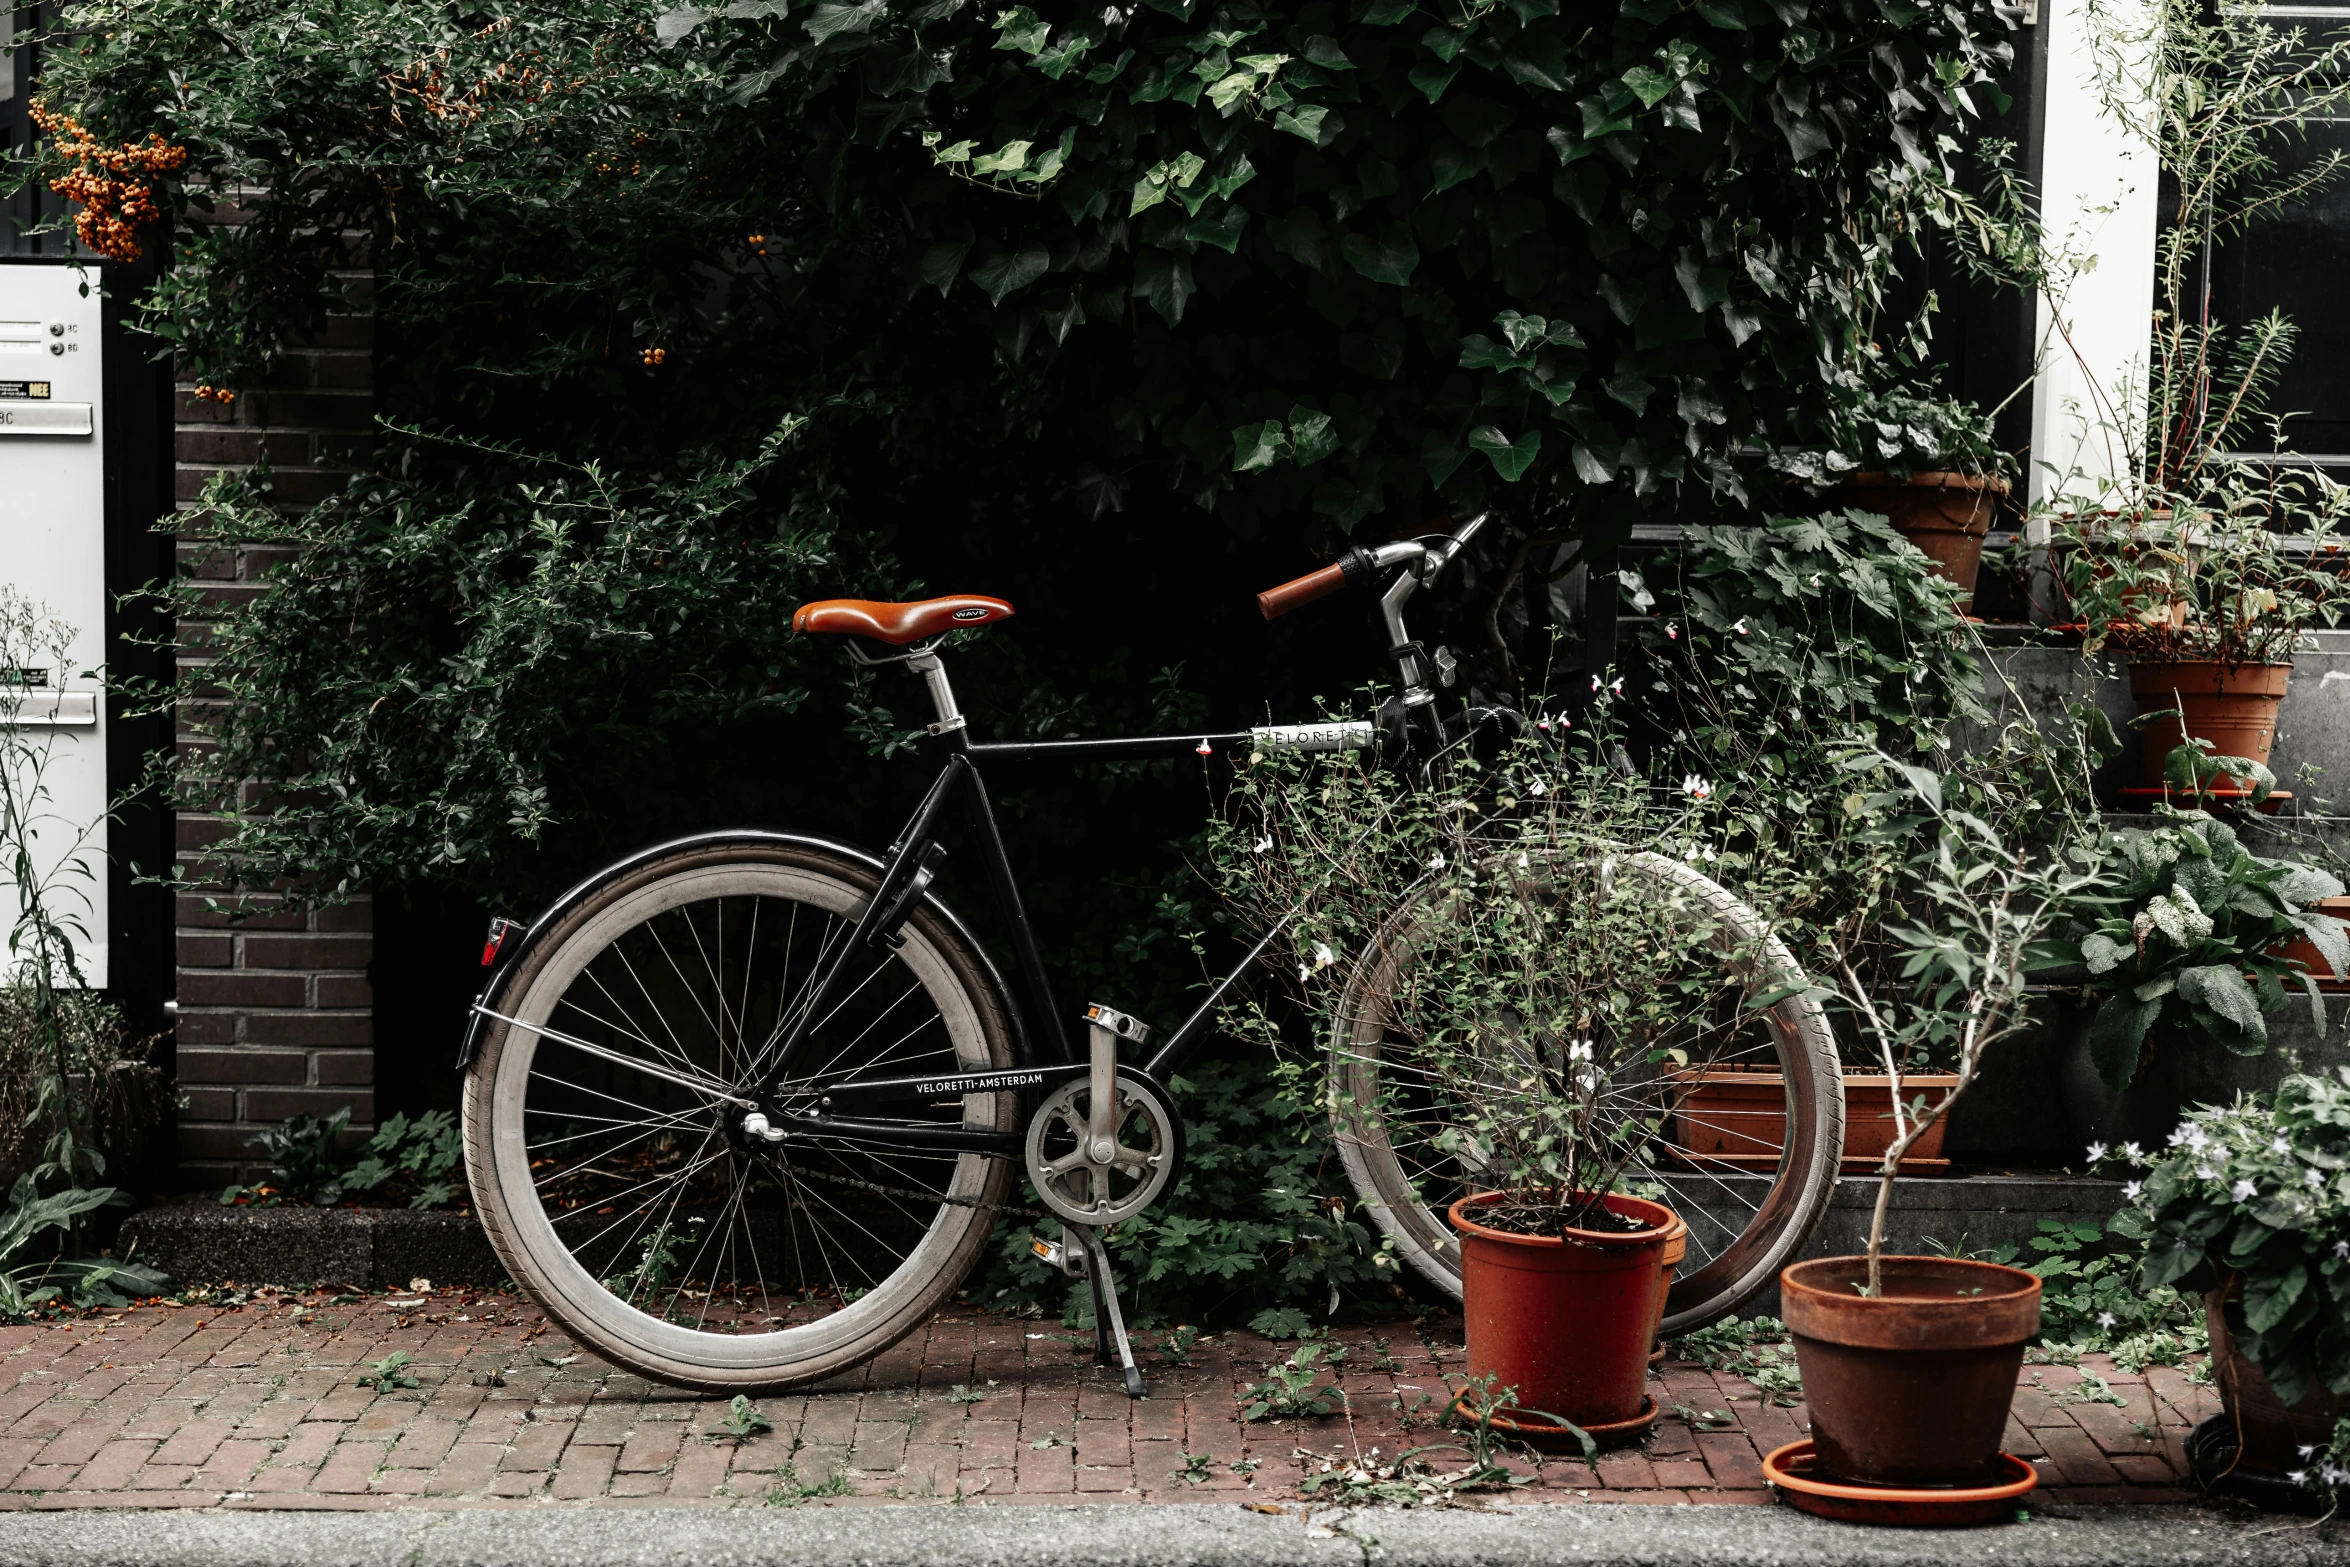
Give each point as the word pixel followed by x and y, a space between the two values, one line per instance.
pixel 1174 1535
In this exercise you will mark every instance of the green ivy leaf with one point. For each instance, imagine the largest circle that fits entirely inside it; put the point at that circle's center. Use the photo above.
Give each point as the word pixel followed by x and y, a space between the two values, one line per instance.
pixel 1014 269
pixel 1323 51
pixel 1649 84
pixel 1389 259
pixel 1453 163
pixel 1510 458
pixel 1386 13
pixel 830 21
pixel 942 263
pixel 1222 231
pixel 1019 29
pixel 1303 121
pixel 1433 79
pixel 1312 435
pixel 1164 282
pixel 1256 446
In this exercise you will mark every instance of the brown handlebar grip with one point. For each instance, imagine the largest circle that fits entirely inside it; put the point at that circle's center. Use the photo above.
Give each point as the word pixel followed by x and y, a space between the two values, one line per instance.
pixel 1302 590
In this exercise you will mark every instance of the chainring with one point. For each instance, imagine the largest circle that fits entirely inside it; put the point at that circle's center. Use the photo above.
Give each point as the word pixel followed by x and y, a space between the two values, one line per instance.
pixel 1149 1142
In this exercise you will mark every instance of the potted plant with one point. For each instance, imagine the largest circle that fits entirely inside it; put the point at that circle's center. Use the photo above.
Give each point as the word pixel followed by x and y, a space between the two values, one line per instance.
pixel 2251 1205
pixel 2189 927
pixel 1909 1362
pixel 2199 565
pixel 1554 1257
pixel 1928 465
pixel 2210 614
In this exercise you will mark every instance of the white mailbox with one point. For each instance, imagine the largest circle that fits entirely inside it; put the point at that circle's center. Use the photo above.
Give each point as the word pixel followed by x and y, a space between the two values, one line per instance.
pixel 52 533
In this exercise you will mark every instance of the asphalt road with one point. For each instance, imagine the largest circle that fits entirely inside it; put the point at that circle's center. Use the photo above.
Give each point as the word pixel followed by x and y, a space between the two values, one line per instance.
pixel 1173 1535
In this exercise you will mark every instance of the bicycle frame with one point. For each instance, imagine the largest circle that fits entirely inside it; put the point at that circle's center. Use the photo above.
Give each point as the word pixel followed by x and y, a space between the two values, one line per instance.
pixel 1046 1055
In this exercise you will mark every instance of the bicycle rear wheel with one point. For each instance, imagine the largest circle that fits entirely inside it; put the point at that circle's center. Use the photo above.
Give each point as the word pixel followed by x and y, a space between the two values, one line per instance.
pixel 625 1201
pixel 1737 1108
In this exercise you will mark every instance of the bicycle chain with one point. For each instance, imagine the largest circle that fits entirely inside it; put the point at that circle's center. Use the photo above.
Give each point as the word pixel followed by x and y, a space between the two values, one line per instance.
pixel 907 1191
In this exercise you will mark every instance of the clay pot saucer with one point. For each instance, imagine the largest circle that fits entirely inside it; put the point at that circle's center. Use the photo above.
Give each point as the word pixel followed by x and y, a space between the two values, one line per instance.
pixel 1792 1470
pixel 1539 1433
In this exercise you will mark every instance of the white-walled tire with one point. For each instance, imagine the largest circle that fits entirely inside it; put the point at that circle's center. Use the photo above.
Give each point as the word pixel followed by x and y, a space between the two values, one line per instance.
pixel 621 1202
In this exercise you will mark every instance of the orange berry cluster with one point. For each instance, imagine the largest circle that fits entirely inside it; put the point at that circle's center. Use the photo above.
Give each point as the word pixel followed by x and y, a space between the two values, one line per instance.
pixel 111 183
pixel 654 356
pixel 215 394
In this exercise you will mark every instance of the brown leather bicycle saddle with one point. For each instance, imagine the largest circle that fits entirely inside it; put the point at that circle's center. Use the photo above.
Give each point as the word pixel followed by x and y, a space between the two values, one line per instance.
pixel 899 624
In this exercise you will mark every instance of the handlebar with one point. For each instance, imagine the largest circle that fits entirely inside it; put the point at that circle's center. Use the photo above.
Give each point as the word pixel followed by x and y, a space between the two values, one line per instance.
pixel 1358 564
pixel 1300 591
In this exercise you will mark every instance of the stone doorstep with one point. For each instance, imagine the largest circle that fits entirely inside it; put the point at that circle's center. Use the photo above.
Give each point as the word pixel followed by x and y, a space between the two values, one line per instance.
pixel 201 1242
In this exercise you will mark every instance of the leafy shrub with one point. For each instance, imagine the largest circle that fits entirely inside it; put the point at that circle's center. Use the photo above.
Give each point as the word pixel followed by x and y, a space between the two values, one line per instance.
pixel 2186 925
pixel 110 1076
pixel 420 1159
pixel 309 1161
pixel 2258 1195
pixel 1900 434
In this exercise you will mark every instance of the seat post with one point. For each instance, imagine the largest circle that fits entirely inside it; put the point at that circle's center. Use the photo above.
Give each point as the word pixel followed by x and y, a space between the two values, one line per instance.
pixel 925 662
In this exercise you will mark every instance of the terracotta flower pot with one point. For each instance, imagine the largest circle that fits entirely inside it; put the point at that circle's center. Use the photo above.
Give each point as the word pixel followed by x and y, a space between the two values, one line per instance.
pixel 1739 1118
pixel 2303 951
pixel 1566 1320
pixel 1676 1247
pixel 1910 1388
pixel 2234 706
pixel 1947 515
pixel 2269 1433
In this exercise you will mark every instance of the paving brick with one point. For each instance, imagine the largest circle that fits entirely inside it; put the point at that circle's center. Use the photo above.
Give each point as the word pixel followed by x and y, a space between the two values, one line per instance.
pixel 146 1407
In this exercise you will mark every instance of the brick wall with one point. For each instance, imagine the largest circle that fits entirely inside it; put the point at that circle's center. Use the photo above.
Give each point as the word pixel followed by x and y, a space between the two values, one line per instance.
pixel 274 1011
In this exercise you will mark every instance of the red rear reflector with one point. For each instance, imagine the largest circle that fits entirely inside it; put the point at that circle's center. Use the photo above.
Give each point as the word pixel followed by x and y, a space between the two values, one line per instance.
pixel 500 929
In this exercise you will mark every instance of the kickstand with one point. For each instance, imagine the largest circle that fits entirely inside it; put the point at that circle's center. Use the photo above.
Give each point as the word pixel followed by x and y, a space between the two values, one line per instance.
pixel 1105 1309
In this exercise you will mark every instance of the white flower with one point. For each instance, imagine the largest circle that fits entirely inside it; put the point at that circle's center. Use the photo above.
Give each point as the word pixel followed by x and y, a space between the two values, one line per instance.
pixel 1264 843
pixel 2133 1153
pixel 1709 856
pixel 2317 1177
pixel 2106 1319
pixel 2282 1144
pixel 2204 1172
pixel 1616 686
pixel 1522 861
pixel 1323 956
pixel 1740 627
pixel 1696 787
pixel 1538 787
pixel 1595 682
pixel 2342 1249
pixel 2096 1153
pixel 2243 1191
pixel 2131 1191
pixel 1672 631
pixel 1436 862
pixel 1581 1049
pixel 2306 1449
pixel 2298 1476
pixel 1304 973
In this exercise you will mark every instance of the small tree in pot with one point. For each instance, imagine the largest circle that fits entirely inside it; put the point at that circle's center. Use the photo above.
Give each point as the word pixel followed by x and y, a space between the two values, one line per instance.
pixel 1909 1363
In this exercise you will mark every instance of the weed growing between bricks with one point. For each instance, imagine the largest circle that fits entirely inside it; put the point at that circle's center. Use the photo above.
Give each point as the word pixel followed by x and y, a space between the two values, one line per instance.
pixel 253 1398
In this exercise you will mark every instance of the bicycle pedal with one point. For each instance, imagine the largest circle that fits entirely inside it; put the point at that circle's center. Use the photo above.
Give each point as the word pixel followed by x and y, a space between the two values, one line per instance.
pixel 1059 1256
pixel 1121 1024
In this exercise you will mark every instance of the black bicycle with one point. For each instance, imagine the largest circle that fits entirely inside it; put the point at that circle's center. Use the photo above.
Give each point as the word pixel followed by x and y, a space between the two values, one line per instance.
pixel 742 1110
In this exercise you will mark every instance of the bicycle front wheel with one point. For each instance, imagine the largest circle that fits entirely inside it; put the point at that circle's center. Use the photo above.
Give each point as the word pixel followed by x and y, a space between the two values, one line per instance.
pixel 1731 1096
pixel 613 1181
